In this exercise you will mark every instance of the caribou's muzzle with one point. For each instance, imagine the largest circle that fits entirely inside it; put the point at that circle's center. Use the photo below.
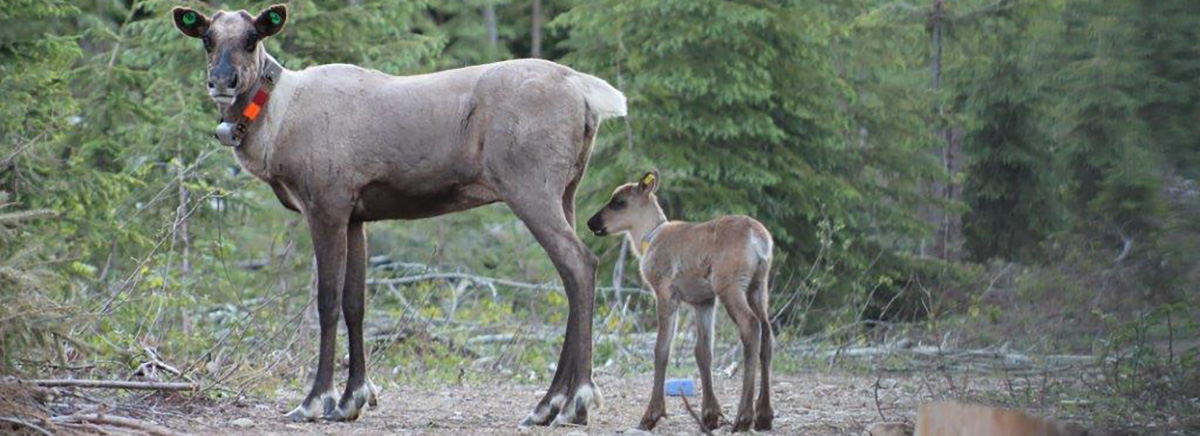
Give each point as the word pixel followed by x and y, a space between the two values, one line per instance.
pixel 223 80
pixel 596 225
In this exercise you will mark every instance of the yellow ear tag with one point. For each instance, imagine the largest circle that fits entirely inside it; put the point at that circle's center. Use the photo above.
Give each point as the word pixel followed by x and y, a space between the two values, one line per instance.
pixel 648 179
pixel 645 246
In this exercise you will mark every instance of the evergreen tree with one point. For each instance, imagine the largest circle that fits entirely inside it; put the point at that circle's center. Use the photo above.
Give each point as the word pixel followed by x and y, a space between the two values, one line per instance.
pixel 744 110
pixel 1010 169
pixel 1114 177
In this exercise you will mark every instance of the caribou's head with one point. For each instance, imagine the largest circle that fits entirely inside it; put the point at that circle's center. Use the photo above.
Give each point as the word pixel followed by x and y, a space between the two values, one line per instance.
pixel 633 205
pixel 233 43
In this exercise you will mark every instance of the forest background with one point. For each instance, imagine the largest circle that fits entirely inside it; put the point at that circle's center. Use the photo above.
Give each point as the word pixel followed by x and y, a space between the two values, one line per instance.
pixel 973 173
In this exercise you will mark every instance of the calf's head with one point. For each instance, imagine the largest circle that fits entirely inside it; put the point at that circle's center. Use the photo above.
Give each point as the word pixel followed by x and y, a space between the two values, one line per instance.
pixel 632 205
pixel 232 41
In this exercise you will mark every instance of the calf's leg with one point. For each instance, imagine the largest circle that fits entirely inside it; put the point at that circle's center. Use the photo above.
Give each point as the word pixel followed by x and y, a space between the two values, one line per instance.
pixel 764 413
pixel 328 228
pixel 733 295
pixel 657 409
pixel 711 409
pixel 359 390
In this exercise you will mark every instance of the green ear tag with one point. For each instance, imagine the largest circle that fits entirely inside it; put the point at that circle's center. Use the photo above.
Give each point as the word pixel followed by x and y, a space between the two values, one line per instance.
pixel 275 17
pixel 189 19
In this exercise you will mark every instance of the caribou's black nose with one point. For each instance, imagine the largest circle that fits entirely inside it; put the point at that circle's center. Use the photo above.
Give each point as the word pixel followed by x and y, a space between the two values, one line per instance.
pixel 233 81
pixel 596 225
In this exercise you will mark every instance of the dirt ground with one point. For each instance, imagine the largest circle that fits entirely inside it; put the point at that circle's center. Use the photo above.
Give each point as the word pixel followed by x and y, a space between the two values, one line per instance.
pixel 816 404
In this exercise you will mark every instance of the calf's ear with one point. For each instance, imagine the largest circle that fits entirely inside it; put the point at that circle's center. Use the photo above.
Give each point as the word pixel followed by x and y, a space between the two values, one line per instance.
pixel 649 182
pixel 271 20
pixel 190 22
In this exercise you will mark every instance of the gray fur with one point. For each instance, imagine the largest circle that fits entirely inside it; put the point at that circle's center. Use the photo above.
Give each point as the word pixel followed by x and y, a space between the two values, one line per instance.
pixel 345 145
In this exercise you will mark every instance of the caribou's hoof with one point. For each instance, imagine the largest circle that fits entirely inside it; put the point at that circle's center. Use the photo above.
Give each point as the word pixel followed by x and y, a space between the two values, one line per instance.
pixel 350 407
pixel 742 423
pixel 313 408
pixel 763 420
pixel 575 411
pixel 560 410
pixel 542 414
pixel 712 419
pixel 650 420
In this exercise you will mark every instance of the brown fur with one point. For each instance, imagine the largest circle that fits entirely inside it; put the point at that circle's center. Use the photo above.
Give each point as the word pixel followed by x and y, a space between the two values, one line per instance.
pixel 726 259
pixel 344 146
pixel 955 419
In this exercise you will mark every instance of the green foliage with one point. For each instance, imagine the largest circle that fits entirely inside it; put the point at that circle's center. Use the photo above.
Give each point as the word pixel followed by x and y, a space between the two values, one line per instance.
pixel 745 110
pixel 1077 119
pixel 1010 170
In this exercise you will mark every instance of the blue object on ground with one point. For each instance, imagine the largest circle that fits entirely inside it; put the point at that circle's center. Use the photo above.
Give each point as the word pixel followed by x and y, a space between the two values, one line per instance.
pixel 678 387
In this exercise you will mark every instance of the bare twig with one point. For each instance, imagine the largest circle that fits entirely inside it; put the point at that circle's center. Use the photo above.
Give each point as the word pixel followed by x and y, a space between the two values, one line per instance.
pixel 116 384
pixel 117 421
pixel 26 424
pixel 696 417
pixel 486 281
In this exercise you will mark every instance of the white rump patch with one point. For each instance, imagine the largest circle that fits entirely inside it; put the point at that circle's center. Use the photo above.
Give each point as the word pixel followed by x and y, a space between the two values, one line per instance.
pixel 607 101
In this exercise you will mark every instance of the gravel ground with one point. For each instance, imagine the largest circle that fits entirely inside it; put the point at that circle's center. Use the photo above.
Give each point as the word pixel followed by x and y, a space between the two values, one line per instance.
pixel 816 404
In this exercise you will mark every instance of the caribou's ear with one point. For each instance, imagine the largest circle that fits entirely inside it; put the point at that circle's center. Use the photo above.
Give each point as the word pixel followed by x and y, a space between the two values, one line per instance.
pixel 270 21
pixel 190 22
pixel 649 182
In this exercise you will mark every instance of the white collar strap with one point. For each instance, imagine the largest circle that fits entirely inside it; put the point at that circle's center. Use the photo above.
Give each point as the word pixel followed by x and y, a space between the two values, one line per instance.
pixel 648 238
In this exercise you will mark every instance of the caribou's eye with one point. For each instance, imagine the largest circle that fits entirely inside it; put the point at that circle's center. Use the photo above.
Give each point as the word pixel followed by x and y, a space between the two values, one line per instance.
pixel 616 204
pixel 208 44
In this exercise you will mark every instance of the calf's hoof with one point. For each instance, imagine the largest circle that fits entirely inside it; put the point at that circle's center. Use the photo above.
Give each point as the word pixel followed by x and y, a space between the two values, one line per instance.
pixel 648 422
pixel 742 423
pixel 712 419
pixel 763 421
pixel 651 417
pixel 313 407
pixel 353 402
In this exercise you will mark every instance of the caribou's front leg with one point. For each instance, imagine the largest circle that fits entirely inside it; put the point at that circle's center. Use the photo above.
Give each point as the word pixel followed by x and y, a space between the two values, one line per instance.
pixel 329 242
pixel 359 392
pixel 711 409
pixel 657 409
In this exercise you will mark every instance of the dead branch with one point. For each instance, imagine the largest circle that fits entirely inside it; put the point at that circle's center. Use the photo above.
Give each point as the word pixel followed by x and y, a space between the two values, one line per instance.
pixel 117 421
pixel 115 384
pixel 26 424
pixel 694 415
pixel 484 280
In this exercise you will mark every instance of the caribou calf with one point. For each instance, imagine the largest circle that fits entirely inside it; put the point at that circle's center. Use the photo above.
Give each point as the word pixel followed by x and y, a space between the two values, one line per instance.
pixel 725 259
pixel 344 146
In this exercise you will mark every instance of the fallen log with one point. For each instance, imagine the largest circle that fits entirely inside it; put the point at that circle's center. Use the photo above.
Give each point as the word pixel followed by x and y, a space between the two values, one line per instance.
pixel 115 384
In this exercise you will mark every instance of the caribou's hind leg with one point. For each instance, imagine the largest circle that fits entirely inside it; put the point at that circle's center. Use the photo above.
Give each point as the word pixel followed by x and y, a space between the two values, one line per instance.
pixel 328 228
pixel 359 392
pixel 764 413
pixel 571 392
pixel 732 292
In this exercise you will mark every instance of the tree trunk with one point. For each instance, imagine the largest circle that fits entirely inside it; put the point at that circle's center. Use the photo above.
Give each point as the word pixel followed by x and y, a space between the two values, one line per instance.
pixel 535 45
pixel 947 241
pixel 489 21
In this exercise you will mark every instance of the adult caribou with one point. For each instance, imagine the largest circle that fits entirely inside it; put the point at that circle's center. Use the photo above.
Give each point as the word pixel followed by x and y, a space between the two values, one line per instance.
pixel 344 145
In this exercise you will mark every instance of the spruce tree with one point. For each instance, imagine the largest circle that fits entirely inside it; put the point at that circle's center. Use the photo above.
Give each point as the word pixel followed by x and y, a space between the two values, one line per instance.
pixel 1009 187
